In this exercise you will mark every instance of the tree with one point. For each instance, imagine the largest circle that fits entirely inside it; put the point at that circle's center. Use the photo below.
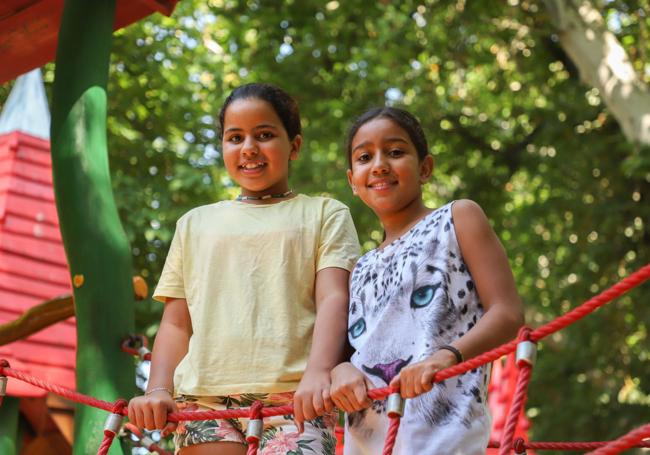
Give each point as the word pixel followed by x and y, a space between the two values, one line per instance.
pixel 510 124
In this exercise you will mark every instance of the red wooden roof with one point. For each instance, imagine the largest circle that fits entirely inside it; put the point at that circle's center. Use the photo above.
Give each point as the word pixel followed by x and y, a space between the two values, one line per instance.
pixel 29 29
pixel 33 265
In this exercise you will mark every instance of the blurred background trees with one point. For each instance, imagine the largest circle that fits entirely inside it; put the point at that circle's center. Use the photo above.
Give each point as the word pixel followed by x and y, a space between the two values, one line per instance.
pixel 511 123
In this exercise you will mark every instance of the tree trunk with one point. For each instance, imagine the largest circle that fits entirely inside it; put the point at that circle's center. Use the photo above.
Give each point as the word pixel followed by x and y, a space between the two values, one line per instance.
pixel 604 64
pixel 95 243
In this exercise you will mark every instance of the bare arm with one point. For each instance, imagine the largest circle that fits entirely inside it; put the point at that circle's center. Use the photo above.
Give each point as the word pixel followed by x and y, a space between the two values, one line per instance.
pixel 487 262
pixel 150 411
pixel 328 342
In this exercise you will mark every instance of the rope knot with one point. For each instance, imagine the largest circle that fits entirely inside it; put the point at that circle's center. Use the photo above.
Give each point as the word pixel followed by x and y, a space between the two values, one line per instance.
pixel 520 446
pixel 524 333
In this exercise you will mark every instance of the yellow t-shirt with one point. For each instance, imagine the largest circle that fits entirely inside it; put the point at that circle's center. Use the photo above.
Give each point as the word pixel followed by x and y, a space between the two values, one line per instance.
pixel 248 273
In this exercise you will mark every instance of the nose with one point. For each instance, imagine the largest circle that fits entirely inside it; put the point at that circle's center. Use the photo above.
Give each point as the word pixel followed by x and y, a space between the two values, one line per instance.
pixel 380 165
pixel 249 148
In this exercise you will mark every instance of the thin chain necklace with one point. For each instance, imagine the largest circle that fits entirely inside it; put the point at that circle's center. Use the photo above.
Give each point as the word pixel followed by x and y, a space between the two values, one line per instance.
pixel 266 196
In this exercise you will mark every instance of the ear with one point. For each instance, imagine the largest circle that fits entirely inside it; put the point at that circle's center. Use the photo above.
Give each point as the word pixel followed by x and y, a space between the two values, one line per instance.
pixel 352 185
pixel 296 143
pixel 426 169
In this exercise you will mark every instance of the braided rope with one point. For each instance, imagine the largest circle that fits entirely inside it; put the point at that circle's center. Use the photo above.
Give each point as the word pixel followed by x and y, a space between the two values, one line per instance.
pixel 109 433
pixel 255 414
pixel 634 438
pixel 627 441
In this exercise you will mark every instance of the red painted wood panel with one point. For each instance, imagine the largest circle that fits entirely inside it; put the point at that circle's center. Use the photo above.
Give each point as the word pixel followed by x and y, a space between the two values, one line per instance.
pixel 30 208
pixel 34 269
pixel 40 290
pixel 30 29
pixel 43 354
pixel 26 226
pixel 26 169
pixel 28 188
pixel 32 247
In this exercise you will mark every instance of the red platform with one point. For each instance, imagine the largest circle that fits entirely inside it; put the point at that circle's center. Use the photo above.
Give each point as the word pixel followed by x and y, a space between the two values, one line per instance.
pixel 33 265
pixel 29 29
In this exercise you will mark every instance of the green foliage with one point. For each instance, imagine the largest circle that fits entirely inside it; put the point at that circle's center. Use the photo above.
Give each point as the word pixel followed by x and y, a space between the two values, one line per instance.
pixel 509 123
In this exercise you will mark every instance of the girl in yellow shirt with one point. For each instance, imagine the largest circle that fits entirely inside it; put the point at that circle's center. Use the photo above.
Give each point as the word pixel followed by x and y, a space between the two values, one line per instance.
pixel 255 294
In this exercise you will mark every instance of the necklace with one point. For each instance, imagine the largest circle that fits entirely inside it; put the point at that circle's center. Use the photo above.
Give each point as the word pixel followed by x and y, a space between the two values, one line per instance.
pixel 266 196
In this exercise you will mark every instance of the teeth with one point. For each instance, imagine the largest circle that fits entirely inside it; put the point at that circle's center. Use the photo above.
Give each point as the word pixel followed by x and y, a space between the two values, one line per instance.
pixel 252 165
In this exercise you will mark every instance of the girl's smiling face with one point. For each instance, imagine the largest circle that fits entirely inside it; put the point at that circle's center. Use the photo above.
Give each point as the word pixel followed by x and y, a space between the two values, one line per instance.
pixel 386 171
pixel 256 147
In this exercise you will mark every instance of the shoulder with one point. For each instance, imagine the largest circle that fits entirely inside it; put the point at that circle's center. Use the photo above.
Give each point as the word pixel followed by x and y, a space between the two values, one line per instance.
pixel 469 219
pixel 198 213
pixel 324 204
pixel 464 210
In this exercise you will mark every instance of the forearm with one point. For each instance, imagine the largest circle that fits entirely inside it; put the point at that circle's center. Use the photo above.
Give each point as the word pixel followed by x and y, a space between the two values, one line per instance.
pixel 330 332
pixel 497 326
pixel 169 349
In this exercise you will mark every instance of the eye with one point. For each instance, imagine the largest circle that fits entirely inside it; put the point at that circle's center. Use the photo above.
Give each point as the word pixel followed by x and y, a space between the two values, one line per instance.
pixel 357 328
pixel 423 296
pixel 363 157
pixel 235 139
pixel 265 135
pixel 395 153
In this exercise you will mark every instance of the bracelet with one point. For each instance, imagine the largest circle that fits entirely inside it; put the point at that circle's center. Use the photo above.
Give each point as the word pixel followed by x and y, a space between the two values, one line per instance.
pixel 157 389
pixel 457 353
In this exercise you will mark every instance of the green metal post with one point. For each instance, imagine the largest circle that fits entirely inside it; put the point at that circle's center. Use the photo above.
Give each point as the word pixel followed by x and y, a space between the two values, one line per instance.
pixel 9 426
pixel 96 245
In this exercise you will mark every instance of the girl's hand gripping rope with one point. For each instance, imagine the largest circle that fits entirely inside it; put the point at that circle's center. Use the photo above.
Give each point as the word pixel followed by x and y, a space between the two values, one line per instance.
pixel 150 410
pixel 350 388
pixel 312 398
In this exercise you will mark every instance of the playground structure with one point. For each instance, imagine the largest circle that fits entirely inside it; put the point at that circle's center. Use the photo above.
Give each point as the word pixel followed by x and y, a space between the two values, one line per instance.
pixel 525 346
pixel 93 26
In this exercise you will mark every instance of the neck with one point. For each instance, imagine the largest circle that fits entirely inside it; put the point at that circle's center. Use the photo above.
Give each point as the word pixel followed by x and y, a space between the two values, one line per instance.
pixel 397 223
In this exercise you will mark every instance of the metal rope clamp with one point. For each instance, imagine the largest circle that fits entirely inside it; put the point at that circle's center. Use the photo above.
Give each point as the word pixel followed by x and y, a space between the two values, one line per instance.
pixel 143 352
pixel 395 405
pixel 526 353
pixel 146 441
pixel 113 423
pixel 254 430
pixel 3 386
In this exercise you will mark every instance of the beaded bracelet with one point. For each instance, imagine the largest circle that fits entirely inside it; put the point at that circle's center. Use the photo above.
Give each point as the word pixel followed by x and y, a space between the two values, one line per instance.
pixel 456 352
pixel 156 389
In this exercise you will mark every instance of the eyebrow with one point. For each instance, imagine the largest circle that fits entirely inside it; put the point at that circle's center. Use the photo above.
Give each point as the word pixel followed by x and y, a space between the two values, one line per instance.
pixel 388 139
pixel 257 127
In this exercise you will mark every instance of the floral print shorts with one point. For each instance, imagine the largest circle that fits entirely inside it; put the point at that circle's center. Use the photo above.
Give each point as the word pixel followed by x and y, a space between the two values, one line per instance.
pixel 280 435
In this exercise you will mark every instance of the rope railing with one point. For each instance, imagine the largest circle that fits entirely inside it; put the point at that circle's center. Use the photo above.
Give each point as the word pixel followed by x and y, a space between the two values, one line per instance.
pixel 395 405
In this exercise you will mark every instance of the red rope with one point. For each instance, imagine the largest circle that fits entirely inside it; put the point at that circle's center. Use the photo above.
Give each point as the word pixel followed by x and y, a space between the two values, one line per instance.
pixel 561 322
pixel 552 445
pixel 391 436
pixel 627 441
pixel 109 434
pixel 255 414
pixel 519 400
pixel 130 346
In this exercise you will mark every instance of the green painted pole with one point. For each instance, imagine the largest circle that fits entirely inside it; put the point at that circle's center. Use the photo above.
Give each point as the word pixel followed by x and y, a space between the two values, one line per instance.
pixel 9 426
pixel 96 245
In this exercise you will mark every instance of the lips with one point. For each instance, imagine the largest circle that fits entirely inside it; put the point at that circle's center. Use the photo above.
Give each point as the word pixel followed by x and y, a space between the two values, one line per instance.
pixel 252 166
pixel 382 184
